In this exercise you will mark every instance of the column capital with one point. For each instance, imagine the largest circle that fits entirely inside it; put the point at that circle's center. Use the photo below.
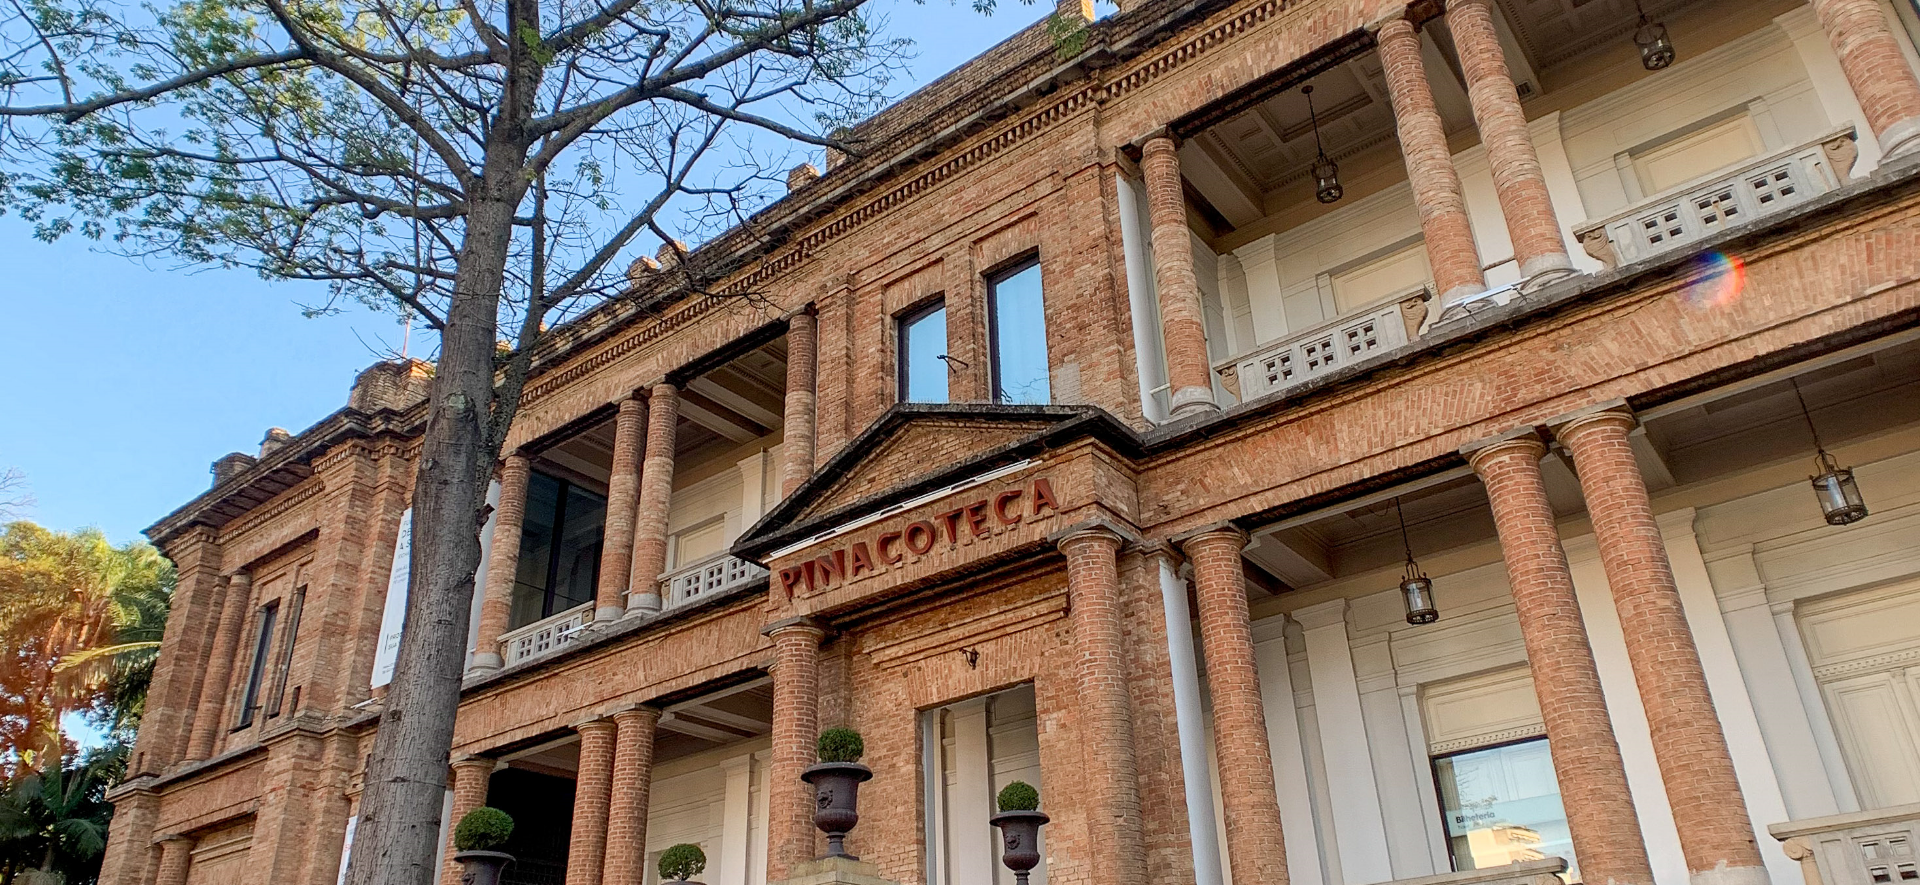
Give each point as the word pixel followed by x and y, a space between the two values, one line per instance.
pixel 1393 13
pixel 470 760
pixel 1332 613
pixel 1224 532
pixel 597 724
pixel 174 838
pixel 637 711
pixel 800 626
pixel 1520 439
pixel 1093 529
pixel 1613 412
pixel 1158 133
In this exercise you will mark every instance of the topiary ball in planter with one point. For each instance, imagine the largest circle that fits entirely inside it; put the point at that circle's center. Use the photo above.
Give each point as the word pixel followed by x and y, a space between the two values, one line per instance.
pixel 682 862
pixel 476 840
pixel 841 745
pixel 836 786
pixel 1019 821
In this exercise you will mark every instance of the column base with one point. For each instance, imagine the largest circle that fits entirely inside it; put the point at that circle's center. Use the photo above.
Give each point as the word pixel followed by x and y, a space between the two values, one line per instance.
pixel 641 606
pixel 835 871
pixel 1725 875
pixel 485 662
pixel 1901 139
pixel 607 613
pixel 1189 401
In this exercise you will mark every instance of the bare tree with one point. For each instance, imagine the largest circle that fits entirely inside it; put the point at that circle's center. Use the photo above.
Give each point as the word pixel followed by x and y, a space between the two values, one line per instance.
pixel 14 497
pixel 484 164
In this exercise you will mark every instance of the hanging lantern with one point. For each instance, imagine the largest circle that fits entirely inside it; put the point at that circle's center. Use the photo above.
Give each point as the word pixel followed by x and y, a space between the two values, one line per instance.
pixel 1838 493
pixel 1416 589
pixel 1326 173
pixel 1656 48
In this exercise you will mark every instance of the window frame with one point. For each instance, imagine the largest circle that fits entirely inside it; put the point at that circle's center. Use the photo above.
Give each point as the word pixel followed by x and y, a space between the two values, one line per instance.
pixel 902 357
pixel 993 279
pixel 1439 793
pixel 555 535
pixel 265 618
pixel 283 668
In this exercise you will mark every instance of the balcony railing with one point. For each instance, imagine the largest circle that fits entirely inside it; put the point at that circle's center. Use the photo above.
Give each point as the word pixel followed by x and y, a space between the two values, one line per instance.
pixel 544 635
pixel 1324 348
pixel 1879 847
pixel 1693 212
pixel 1539 871
pixel 715 574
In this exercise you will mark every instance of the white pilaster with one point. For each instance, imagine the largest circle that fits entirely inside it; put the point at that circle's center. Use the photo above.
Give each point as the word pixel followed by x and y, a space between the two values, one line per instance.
pixel 969 802
pixel 1417 755
pixel 1829 81
pixel 1260 267
pixel 1190 723
pixel 1784 721
pixel 1343 738
pixel 1765 804
pixel 1808 689
pixel 755 477
pixel 1289 758
pixel 736 821
pixel 1562 188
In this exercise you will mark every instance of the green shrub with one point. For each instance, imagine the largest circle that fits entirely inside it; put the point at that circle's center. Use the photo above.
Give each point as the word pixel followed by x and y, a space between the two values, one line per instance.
pixel 841 745
pixel 682 862
pixel 1019 796
pixel 483 829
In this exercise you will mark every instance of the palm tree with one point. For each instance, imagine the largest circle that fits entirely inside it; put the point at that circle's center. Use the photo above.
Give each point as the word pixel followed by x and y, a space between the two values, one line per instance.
pixel 80 624
pixel 53 822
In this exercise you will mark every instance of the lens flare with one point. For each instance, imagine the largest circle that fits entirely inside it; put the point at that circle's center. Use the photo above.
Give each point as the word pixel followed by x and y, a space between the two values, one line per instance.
pixel 1718 281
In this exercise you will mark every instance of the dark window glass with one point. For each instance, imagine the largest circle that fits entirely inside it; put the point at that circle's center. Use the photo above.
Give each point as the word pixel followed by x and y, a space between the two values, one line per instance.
pixel 1017 323
pixel 923 341
pixel 1502 806
pixel 560 539
pixel 262 646
pixel 284 667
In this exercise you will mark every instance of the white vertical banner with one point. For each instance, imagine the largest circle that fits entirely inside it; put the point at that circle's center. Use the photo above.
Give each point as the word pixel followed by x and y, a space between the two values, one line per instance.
pixel 346 848
pixel 394 615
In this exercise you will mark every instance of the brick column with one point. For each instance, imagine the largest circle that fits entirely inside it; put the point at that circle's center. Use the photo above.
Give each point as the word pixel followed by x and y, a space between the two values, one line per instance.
pixel 471 777
pixel 796 459
pixel 1436 185
pixel 176 855
pixel 1256 850
pixel 592 794
pixel 1875 68
pixel 209 720
pixel 632 790
pixel 1715 834
pixel 1517 177
pixel 1189 376
pixel 1586 757
pixel 623 490
pixel 503 562
pixel 1099 633
pixel 796 732
pixel 656 496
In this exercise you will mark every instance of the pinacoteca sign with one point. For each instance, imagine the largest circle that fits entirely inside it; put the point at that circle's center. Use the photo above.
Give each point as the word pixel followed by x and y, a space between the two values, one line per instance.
pixel 899 542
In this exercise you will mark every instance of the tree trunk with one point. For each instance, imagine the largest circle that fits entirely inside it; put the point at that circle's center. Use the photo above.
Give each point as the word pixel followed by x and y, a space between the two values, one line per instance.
pixel 397 838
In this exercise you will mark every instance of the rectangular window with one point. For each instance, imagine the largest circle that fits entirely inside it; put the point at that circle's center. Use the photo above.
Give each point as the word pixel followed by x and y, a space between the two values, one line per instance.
pixel 975 748
pixel 262 646
pixel 923 346
pixel 283 669
pixel 1017 328
pixel 560 539
pixel 1502 806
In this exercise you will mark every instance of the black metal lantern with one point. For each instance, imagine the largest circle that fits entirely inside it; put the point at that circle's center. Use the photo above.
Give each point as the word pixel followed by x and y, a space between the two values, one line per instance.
pixel 1834 486
pixel 1416 589
pixel 1326 173
pixel 1656 48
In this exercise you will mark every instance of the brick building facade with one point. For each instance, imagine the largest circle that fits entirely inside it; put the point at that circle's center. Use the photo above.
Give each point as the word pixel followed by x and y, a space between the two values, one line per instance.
pixel 1084 433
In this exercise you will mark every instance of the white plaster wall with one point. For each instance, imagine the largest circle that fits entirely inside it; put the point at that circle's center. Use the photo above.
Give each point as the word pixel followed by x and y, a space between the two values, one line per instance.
pixel 700 799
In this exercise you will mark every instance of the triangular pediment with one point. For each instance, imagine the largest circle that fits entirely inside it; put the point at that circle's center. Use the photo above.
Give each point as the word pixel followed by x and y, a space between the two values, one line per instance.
pixel 915 448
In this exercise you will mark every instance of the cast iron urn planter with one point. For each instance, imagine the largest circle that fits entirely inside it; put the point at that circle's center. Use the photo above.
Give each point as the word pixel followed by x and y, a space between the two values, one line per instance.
pixel 1019 840
pixel 836 799
pixel 482 867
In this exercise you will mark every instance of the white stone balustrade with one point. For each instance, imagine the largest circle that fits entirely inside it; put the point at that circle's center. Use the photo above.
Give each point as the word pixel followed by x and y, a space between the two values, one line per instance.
pixel 1295 359
pixel 715 574
pixel 545 635
pixel 1878 847
pixel 1691 212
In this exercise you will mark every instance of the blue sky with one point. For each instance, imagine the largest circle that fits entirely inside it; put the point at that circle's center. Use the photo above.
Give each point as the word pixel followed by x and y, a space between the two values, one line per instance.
pixel 127 379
